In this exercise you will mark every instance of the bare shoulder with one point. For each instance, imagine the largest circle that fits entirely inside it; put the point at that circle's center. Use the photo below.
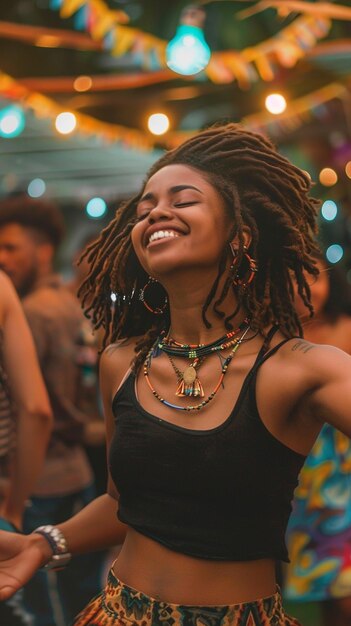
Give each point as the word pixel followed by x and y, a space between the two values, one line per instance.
pixel 6 287
pixel 315 362
pixel 344 328
pixel 115 362
pixel 9 300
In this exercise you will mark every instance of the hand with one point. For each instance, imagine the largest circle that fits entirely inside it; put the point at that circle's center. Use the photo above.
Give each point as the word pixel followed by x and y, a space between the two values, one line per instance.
pixel 20 557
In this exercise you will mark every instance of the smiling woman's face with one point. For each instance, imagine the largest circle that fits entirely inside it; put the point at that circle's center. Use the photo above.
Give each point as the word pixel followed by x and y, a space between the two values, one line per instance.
pixel 183 223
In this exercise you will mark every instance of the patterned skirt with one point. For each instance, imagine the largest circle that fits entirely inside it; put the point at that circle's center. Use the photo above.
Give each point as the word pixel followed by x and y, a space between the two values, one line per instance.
pixel 319 531
pixel 120 605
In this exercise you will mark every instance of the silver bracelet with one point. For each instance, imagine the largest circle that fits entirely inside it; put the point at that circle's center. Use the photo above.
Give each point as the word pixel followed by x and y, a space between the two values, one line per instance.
pixel 57 542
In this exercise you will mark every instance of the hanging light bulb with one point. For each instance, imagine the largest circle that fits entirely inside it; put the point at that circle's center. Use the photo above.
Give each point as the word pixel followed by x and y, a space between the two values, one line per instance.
pixel 188 52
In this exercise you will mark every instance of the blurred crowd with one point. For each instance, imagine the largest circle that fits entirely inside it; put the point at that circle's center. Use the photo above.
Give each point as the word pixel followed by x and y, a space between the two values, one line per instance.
pixel 52 451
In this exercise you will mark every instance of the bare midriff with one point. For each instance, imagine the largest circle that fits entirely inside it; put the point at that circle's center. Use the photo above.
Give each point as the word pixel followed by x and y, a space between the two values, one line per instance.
pixel 169 576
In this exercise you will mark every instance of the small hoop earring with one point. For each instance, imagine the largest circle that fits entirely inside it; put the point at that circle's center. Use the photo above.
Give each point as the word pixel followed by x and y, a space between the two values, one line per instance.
pixel 158 310
pixel 251 269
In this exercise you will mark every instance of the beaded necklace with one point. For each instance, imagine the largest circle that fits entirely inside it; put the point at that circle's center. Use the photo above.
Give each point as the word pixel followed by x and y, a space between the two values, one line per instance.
pixel 194 351
pixel 196 407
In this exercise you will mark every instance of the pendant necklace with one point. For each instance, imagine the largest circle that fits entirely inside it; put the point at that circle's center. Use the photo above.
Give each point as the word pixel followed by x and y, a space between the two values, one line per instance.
pixel 196 407
pixel 189 383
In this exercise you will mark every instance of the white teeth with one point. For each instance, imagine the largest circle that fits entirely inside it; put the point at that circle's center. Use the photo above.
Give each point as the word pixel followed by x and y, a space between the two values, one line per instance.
pixel 162 234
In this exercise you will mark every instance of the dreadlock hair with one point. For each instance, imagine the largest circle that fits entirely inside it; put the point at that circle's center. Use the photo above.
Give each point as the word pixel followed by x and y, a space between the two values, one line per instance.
pixel 260 189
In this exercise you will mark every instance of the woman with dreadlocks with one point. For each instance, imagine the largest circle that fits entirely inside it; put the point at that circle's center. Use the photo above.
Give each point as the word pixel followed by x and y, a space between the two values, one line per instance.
pixel 209 426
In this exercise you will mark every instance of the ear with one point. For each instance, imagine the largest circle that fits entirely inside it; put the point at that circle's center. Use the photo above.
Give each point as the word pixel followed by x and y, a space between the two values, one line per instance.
pixel 247 238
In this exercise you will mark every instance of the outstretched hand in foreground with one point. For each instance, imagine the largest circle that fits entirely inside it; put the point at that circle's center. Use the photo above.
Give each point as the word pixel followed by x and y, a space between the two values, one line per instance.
pixel 20 557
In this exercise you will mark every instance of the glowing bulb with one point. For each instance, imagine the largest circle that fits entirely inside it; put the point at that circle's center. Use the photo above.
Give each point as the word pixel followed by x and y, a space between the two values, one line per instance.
pixel 328 177
pixel 188 52
pixel 36 188
pixel 275 103
pixel 334 253
pixel 12 121
pixel 82 83
pixel 96 207
pixel 329 210
pixel 158 123
pixel 348 169
pixel 65 123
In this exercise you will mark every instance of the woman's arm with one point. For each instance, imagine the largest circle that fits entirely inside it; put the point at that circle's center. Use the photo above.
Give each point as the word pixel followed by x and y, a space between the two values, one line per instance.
pixel 94 527
pixel 329 398
pixel 33 412
pixel 97 526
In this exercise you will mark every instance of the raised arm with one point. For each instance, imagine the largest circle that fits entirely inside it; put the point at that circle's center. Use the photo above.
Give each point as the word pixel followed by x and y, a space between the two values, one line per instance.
pixel 329 399
pixel 32 409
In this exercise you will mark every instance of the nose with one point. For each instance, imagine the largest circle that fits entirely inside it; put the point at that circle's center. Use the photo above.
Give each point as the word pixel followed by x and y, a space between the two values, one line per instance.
pixel 160 212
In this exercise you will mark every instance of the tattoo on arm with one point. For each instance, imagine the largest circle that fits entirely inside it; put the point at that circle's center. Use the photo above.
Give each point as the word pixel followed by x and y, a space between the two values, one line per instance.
pixel 302 346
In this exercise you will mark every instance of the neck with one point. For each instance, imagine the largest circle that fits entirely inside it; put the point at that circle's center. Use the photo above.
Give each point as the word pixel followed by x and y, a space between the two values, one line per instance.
pixel 186 301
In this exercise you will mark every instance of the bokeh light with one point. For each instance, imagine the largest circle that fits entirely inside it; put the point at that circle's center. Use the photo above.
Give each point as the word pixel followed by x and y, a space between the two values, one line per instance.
pixel 96 207
pixel 188 52
pixel 36 188
pixel 328 177
pixel 329 210
pixel 334 253
pixel 348 169
pixel 82 83
pixel 66 122
pixel 12 121
pixel 275 103
pixel 158 123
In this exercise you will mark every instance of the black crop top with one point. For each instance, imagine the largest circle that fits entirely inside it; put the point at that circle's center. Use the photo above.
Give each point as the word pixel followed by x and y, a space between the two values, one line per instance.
pixel 221 494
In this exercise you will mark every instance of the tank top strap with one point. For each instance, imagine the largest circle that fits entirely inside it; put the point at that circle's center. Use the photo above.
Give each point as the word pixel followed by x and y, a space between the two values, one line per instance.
pixel 265 353
pixel 262 351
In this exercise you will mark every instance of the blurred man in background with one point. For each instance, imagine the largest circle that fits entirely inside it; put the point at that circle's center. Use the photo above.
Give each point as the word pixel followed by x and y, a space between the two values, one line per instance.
pixel 30 233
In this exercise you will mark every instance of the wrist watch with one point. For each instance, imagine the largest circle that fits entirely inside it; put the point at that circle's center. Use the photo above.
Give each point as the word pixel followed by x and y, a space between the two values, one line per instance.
pixel 56 539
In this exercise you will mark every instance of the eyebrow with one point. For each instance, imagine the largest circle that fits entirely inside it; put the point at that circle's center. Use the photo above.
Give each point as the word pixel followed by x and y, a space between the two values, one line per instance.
pixel 172 190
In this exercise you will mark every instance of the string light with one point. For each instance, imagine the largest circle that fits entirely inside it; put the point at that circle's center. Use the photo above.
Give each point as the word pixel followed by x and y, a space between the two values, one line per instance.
pixel 36 188
pixel 12 121
pixel 328 177
pixel 329 210
pixel 334 253
pixel 188 52
pixel 275 103
pixel 96 207
pixel 158 123
pixel 65 123
pixel 83 83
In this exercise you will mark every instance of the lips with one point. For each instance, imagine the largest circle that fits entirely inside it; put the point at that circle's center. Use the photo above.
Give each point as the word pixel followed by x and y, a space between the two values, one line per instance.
pixel 159 234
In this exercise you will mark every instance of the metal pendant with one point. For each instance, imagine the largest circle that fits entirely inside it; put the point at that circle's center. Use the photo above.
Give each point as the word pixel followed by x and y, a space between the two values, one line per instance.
pixel 189 375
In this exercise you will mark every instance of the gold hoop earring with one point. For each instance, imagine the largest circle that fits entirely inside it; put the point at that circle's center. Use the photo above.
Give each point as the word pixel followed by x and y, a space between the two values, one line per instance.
pixel 158 310
pixel 250 271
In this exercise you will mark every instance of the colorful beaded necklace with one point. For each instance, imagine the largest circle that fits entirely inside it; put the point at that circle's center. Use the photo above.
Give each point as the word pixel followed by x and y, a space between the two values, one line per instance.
pixel 195 351
pixel 196 407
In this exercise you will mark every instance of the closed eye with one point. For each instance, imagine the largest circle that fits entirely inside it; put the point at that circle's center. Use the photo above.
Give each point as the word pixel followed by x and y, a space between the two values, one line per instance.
pixel 183 204
pixel 141 217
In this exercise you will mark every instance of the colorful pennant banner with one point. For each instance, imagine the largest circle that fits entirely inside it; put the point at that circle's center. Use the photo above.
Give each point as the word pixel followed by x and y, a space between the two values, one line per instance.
pixel 245 66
